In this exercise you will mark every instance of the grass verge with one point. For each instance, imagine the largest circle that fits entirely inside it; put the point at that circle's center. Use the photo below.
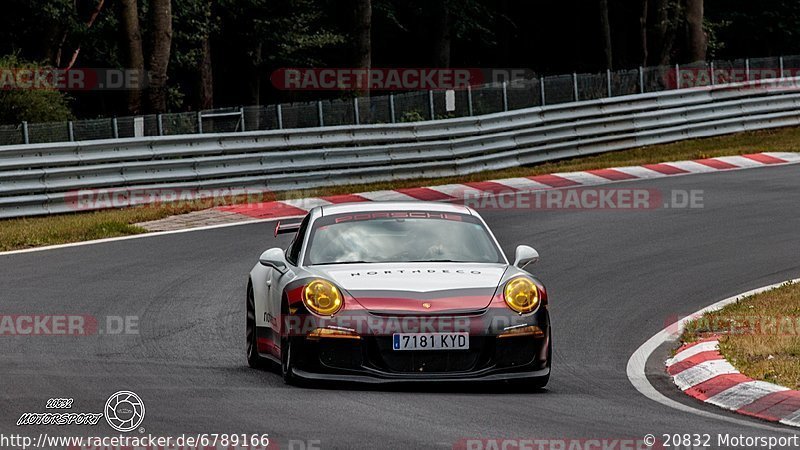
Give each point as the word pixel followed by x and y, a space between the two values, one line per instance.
pixel 39 231
pixel 759 335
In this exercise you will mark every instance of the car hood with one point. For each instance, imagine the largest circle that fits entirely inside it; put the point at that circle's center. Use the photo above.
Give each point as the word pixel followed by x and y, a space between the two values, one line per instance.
pixel 417 287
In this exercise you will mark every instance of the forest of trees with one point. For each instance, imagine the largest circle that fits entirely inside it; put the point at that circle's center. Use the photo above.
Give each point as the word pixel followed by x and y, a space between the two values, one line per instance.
pixel 205 53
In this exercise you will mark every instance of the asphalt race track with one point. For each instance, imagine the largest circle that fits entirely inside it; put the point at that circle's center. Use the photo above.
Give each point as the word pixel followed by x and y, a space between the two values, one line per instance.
pixel 615 278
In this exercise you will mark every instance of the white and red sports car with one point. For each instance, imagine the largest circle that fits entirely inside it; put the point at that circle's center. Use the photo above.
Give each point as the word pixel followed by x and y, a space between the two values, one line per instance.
pixel 403 291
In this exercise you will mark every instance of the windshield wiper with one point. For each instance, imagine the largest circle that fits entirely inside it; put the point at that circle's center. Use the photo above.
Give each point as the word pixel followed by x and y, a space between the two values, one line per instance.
pixel 437 260
pixel 343 262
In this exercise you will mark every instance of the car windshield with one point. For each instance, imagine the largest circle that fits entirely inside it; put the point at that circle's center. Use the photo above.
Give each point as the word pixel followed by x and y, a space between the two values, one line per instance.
pixel 403 236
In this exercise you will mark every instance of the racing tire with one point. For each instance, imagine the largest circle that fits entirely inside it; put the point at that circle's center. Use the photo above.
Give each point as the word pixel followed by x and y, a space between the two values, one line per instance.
pixel 286 362
pixel 254 360
pixel 541 382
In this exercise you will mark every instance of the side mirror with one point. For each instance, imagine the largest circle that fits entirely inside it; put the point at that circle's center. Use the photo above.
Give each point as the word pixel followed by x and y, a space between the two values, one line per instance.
pixel 273 258
pixel 525 255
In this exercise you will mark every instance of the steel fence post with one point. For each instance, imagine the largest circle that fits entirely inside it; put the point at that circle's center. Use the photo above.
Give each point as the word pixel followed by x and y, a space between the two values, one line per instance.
pixel 26 137
pixel 747 69
pixel 356 112
pixel 71 131
pixel 469 100
pixel 391 109
pixel 575 85
pixel 608 82
pixel 430 105
pixel 505 96
pixel 160 120
pixel 641 80
pixel 279 113
pixel 781 64
pixel 541 89
pixel 241 114
pixel 677 76
pixel 713 75
pixel 200 122
pixel 115 127
pixel 319 114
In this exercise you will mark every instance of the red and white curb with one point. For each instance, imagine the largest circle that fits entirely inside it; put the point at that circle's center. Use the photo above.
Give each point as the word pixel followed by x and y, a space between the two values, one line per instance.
pixel 700 370
pixel 471 190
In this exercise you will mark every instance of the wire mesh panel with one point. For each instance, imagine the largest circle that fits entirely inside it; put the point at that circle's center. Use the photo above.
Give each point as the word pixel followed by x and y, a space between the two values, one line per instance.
pixel 182 123
pixel 125 127
pixel 412 107
pixel 625 82
pixel 739 72
pixel 791 66
pixel 260 118
pixel 228 120
pixel 559 89
pixel 487 99
pixel 339 112
pixel 523 94
pixel 151 127
pixel 300 115
pixel 87 130
pixel 765 68
pixel 461 104
pixel 722 72
pixel 656 79
pixel 41 133
pixel 374 110
pixel 592 86
pixel 11 135
pixel 694 75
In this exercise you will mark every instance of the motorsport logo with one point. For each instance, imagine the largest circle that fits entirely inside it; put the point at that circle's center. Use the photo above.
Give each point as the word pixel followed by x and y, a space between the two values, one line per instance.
pixel 124 412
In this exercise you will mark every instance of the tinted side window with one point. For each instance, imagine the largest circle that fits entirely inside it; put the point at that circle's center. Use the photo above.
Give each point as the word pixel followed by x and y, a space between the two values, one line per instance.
pixel 293 253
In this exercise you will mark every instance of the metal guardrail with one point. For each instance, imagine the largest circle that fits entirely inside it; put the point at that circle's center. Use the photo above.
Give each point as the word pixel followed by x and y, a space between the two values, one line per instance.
pixel 518 92
pixel 46 178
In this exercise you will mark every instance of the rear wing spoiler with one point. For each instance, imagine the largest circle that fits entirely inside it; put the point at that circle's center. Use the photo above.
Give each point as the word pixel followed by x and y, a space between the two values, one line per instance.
pixel 286 228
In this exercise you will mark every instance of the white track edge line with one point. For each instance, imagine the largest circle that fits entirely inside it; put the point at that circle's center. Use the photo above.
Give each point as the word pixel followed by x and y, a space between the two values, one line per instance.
pixel 250 222
pixel 638 377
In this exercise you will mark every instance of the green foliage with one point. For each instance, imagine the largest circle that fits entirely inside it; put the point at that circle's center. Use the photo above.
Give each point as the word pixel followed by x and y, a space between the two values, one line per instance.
pixel 412 116
pixel 286 33
pixel 30 105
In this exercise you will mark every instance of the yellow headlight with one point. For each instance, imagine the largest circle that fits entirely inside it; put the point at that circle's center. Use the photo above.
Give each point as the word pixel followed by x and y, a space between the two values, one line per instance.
pixel 323 298
pixel 521 295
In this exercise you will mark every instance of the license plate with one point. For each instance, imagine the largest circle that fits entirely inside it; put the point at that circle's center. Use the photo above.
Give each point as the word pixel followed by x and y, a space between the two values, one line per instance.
pixel 430 341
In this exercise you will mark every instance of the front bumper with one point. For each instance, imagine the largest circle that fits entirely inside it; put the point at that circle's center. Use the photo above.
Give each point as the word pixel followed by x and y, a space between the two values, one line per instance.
pixel 371 358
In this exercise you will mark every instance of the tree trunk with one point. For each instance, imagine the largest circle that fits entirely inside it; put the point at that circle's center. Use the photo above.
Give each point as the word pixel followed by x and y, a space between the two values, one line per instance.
pixel 206 73
pixel 695 35
pixel 129 12
pixel 441 35
pixel 206 76
pixel 362 36
pixel 643 33
pixel 159 58
pixel 663 31
pixel 605 28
